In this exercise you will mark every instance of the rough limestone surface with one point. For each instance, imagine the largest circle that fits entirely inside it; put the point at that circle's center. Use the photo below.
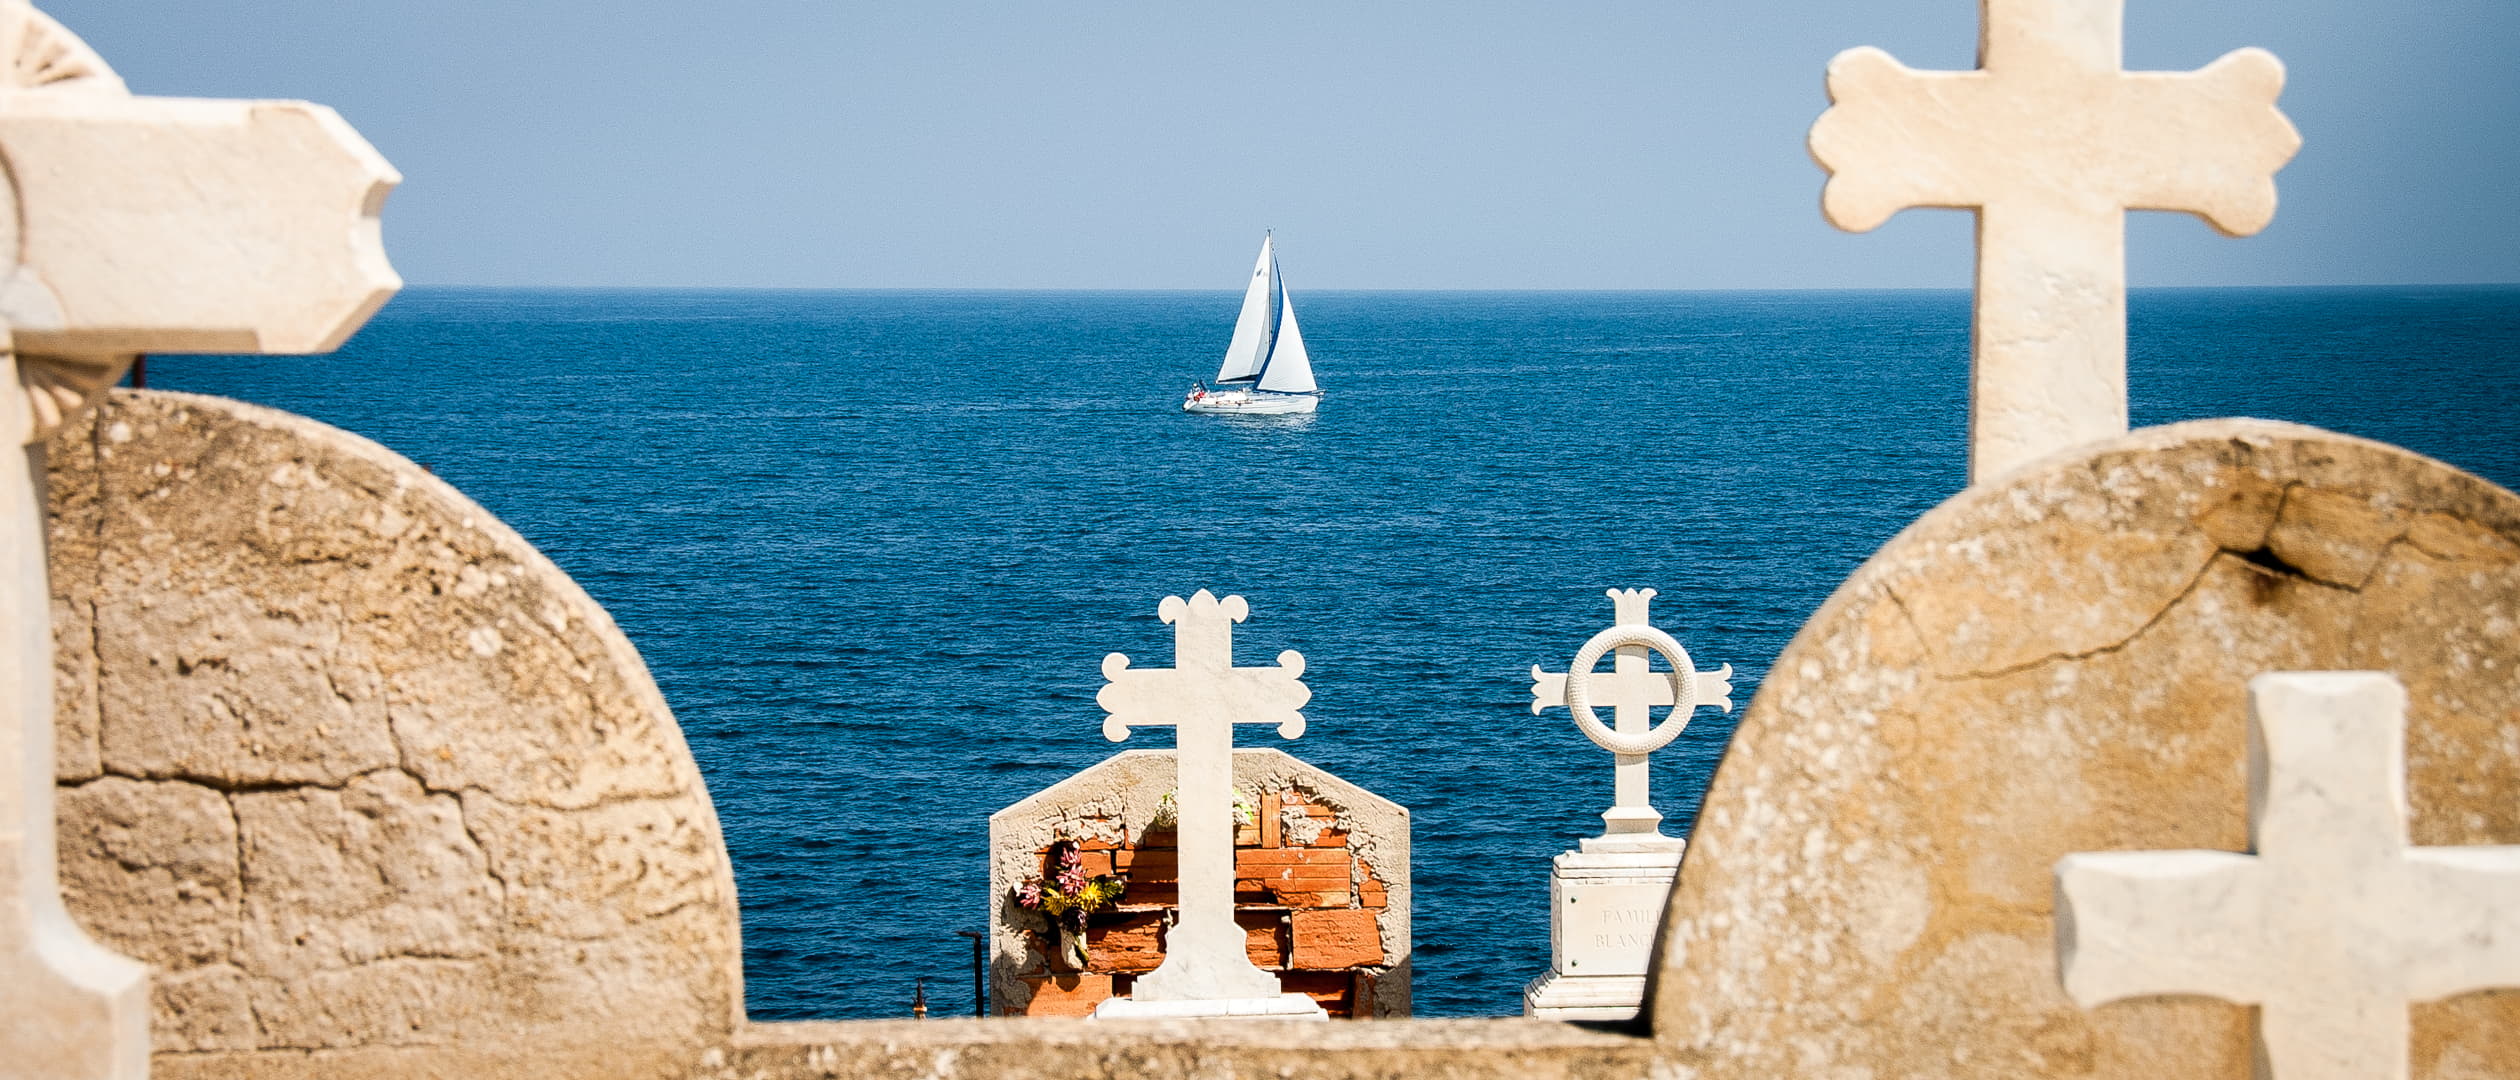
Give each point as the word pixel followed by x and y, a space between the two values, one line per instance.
pixel 369 783
pixel 2058 662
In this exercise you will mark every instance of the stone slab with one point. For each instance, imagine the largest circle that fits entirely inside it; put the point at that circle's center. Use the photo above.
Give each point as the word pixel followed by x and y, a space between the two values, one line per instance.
pixel 1603 909
pixel 1584 997
pixel 1279 1007
pixel 1490 1049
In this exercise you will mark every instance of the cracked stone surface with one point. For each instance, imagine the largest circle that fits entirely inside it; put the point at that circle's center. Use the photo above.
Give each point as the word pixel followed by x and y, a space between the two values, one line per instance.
pixel 2058 662
pixel 370 784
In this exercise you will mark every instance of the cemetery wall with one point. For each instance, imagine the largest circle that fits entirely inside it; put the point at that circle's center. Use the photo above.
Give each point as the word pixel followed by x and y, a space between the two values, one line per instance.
pixel 357 836
pixel 1321 884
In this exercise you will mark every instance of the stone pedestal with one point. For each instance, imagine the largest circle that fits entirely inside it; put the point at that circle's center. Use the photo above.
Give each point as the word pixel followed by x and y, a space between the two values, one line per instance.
pixel 1604 902
pixel 1606 898
pixel 1281 1007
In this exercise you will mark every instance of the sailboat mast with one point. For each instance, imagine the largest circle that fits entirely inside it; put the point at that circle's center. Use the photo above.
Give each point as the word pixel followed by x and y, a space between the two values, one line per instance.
pixel 1277 311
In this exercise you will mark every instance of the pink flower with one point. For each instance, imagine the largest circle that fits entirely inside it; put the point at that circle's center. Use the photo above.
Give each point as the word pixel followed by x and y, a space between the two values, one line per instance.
pixel 1028 895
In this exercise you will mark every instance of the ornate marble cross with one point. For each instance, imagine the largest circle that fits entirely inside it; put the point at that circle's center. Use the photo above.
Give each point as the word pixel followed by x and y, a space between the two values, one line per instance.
pixel 2051 142
pixel 1633 691
pixel 1203 696
pixel 131 224
pixel 2333 925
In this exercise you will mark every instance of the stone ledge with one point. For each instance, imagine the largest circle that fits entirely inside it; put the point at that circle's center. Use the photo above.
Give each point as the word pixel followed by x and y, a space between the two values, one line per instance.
pixel 975 1049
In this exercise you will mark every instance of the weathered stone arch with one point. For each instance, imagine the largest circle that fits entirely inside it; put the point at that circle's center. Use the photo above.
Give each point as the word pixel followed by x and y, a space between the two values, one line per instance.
pixel 370 783
pixel 2057 661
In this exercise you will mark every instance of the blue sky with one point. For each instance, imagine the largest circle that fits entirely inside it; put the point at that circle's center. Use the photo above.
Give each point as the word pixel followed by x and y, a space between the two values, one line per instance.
pixel 1651 145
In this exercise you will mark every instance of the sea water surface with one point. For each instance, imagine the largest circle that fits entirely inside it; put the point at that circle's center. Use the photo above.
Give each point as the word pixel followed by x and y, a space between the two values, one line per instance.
pixel 874 545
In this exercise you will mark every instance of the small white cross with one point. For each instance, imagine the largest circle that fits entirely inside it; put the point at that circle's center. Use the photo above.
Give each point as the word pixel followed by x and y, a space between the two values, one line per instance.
pixel 2051 142
pixel 2333 925
pixel 1203 696
pixel 1633 690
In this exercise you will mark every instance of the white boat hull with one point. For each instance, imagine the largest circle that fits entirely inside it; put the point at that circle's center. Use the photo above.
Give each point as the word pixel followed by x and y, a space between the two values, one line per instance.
pixel 1249 403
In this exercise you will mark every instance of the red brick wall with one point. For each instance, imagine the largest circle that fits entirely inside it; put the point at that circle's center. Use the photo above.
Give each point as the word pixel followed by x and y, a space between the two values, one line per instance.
pixel 1311 911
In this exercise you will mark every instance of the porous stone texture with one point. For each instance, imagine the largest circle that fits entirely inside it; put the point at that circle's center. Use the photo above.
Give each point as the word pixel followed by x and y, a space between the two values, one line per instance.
pixel 371 785
pixel 127 225
pixel 1320 884
pixel 2055 663
pixel 1508 1049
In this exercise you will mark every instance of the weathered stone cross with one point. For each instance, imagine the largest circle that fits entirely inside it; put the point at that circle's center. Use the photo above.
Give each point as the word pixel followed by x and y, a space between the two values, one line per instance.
pixel 1633 691
pixel 2333 925
pixel 2051 142
pixel 1203 696
pixel 131 225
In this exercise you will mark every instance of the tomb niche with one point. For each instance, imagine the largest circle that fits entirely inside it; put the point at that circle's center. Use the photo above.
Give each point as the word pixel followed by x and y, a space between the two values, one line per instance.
pixel 1237 884
pixel 371 785
pixel 1321 884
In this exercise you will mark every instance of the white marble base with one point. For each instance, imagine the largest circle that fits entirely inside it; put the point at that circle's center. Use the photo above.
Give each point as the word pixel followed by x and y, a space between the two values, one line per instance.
pixel 1605 902
pixel 1653 843
pixel 1584 997
pixel 1281 1007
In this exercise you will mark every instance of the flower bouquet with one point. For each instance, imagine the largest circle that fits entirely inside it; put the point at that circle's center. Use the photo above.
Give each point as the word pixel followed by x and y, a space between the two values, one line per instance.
pixel 1067 897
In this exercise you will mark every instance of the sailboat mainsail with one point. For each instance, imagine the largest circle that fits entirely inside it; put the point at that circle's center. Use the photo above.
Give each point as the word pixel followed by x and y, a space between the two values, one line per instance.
pixel 1255 331
pixel 1266 368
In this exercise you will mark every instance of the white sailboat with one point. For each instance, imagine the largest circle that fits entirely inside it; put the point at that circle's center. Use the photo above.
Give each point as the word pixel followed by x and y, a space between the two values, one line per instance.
pixel 1266 370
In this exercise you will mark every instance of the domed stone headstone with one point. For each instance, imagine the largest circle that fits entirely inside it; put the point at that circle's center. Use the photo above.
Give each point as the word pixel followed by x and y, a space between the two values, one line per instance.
pixel 372 786
pixel 2058 663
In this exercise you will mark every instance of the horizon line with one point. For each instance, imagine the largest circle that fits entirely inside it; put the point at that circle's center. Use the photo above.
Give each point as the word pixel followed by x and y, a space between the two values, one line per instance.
pixel 409 286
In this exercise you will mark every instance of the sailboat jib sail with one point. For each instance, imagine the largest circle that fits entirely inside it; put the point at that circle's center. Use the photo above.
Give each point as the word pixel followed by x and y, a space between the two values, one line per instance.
pixel 1289 370
pixel 1266 370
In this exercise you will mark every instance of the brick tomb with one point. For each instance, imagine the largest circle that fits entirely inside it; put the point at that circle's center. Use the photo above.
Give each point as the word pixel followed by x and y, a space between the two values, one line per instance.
pixel 1320 885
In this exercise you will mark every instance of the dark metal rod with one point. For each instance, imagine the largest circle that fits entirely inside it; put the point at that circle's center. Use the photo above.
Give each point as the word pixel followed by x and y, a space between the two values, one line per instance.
pixel 979 985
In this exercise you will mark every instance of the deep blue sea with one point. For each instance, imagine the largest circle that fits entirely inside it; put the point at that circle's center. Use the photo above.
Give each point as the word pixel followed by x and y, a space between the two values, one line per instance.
pixel 874 545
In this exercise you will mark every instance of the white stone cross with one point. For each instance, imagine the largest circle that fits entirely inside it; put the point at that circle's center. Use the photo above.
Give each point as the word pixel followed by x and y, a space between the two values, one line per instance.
pixel 1633 691
pixel 2051 142
pixel 1203 696
pixel 2333 925
pixel 130 225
